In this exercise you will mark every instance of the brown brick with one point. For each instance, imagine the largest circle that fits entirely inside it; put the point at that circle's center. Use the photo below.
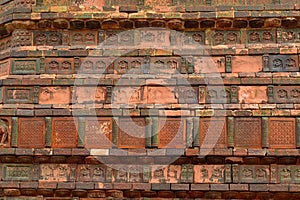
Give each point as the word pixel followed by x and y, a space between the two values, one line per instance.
pixel 47 184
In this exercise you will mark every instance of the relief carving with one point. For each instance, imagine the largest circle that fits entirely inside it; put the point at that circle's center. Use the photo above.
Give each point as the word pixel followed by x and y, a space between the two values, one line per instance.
pixel 4 132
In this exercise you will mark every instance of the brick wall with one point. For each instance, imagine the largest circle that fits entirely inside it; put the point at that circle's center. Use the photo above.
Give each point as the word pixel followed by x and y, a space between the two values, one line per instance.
pixel 149 99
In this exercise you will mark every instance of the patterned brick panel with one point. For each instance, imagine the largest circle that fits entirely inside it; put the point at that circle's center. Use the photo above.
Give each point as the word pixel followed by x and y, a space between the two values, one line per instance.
pixel 213 132
pixel 284 94
pixel 54 95
pixel 247 132
pixel 209 173
pixel 31 133
pixel 282 133
pixel 98 133
pixel 132 133
pixel 172 133
pixel 64 133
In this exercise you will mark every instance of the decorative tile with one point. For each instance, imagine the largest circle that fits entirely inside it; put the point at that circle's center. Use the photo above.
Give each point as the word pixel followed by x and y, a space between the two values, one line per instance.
pixel 60 65
pixel 187 173
pixel 90 94
pixel 187 94
pixel 57 172
pixel 128 95
pixel 253 94
pixel 247 132
pixel 161 95
pixel 64 132
pixel 98 65
pixel 213 133
pixel 98 133
pixel 254 174
pixel 284 94
pixel 4 67
pixel 261 36
pixel 226 38
pixel 132 133
pixel 54 95
pixel 218 94
pixel 15 172
pixel 280 63
pixel 172 133
pixel 31 133
pixel 209 173
pixel 47 38
pixel 5 131
pixel 168 65
pixel 21 37
pixel 211 64
pixel 83 38
pixel 128 65
pixel 282 132
pixel 28 66
pixel 91 173
pixel 194 38
pixel 20 94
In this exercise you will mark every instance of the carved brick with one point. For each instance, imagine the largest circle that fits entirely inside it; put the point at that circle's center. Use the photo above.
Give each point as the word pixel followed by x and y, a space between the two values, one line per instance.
pixel 20 95
pixel 194 38
pixel 64 133
pixel 13 172
pixel 161 95
pixel 4 67
pixel 22 66
pixel 278 63
pixel 5 131
pixel 54 95
pixel 285 173
pixel 172 133
pixel 135 174
pixel 128 65
pixel 98 65
pixel 90 94
pixel 91 173
pixel 47 38
pixel 289 35
pixel 31 133
pixel 254 174
pixel 226 37
pixel 121 174
pixel 158 3
pixel 83 38
pixel 132 133
pixel 98 133
pixel 283 94
pixel 282 132
pixel 57 172
pixel 21 38
pixel 209 64
pixel 129 95
pixel 213 133
pixel 247 132
pixel 129 2
pixel 187 173
pixel 60 65
pixel 209 173
pixel 164 65
pixel 154 37
pixel 187 94
pixel 5 44
pixel 158 174
pixel 218 94
pixel 251 94
pixel 262 36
